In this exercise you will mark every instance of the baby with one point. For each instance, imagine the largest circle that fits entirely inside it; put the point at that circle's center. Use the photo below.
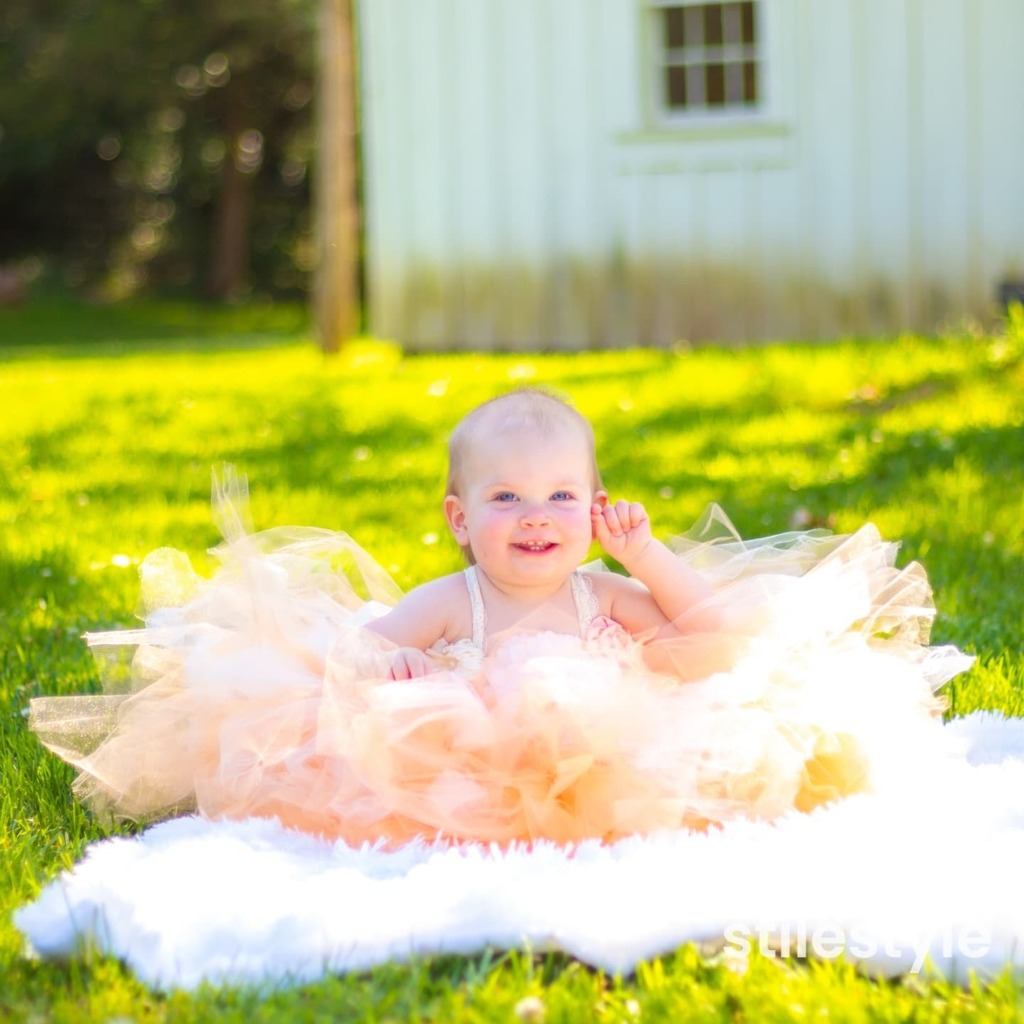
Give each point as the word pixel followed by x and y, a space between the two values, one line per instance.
pixel 525 501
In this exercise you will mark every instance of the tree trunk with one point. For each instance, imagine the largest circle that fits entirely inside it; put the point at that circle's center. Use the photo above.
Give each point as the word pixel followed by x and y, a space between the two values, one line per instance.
pixel 336 292
pixel 230 266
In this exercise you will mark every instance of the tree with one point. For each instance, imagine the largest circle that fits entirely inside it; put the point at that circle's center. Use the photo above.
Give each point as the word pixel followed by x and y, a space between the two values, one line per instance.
pixel 336 295
pixel 159 144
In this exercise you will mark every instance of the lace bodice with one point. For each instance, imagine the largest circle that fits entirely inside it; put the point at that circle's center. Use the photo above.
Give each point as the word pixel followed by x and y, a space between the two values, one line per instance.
pixel 583 597
pixel 468 652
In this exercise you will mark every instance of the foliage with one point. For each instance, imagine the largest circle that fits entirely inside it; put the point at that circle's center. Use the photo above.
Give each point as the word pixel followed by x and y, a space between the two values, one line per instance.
pixel 123 127
pixel 105 453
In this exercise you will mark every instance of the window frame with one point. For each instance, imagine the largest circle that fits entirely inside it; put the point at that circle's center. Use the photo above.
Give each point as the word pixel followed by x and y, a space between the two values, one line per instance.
pixel 660 115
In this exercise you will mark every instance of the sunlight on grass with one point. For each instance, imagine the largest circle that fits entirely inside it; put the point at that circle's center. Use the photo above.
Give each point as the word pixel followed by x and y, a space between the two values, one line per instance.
pixel 106 449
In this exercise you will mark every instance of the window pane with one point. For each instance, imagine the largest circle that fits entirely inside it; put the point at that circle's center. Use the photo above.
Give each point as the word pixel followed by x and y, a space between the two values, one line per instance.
pixel 696 94
pixel 694 25
pixel 749 82
pixel 732 24
pixel 712 24
pixel 747 18
pixel 675 27
pixel 734 84
pixel 715 85
pixel 675 87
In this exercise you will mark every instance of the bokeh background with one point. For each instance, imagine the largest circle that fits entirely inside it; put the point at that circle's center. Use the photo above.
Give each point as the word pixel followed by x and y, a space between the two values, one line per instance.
pixel 157 148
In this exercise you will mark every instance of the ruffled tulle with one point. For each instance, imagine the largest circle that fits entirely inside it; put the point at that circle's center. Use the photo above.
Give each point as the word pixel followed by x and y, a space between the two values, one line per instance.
pixel 260 693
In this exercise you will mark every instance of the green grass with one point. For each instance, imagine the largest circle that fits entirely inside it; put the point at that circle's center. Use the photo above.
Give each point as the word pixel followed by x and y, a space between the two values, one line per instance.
pixel 112 419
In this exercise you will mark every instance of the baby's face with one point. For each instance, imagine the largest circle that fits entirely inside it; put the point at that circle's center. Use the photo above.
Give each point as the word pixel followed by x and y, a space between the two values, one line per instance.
pixel 524 506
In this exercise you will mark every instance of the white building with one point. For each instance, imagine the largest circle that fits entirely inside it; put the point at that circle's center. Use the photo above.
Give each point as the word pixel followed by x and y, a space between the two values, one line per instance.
pixel 591 173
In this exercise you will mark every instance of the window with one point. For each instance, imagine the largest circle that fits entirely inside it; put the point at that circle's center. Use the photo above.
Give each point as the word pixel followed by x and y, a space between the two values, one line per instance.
pixel 708 57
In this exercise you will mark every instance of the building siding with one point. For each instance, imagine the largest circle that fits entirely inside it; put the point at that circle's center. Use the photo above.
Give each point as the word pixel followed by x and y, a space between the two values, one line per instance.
pixel 520 194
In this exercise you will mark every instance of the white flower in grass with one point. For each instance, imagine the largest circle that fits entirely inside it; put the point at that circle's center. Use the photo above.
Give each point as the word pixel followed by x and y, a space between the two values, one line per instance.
pixel 531 1009
pixel 522 371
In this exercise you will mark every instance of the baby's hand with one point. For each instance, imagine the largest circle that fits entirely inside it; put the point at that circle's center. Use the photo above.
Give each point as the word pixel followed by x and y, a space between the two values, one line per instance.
pixel 410 663
pixel 622 529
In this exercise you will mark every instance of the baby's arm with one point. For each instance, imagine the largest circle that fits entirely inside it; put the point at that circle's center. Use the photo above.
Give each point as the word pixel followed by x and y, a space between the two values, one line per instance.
pixel 675 595
pixel 415 624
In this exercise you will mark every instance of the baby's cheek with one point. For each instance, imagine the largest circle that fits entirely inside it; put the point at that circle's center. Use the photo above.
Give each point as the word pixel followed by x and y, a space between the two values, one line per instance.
pixel 582 522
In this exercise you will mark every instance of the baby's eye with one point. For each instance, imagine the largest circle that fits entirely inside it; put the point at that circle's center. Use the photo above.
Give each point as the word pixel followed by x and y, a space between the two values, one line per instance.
pixel 504 496
pixel 562 496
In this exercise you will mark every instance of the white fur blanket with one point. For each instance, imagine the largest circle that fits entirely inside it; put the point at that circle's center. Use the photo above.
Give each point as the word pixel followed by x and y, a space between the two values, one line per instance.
pixel 896 883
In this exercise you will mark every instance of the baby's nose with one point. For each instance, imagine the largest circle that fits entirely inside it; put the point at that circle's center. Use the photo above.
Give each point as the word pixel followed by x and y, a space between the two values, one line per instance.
pixel 535 513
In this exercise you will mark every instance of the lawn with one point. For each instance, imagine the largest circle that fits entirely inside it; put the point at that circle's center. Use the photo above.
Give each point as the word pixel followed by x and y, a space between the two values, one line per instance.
pixel 112 420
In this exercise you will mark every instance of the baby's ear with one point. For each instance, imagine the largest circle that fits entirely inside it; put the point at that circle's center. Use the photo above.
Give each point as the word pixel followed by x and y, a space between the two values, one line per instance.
pixel 601 500
pixel 455 516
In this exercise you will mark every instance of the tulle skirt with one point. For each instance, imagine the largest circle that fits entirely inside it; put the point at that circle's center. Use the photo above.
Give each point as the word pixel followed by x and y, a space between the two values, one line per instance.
pixel 259 692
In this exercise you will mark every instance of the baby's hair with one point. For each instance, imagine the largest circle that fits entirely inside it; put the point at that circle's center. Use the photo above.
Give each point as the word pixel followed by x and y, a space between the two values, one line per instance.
pixel 525 408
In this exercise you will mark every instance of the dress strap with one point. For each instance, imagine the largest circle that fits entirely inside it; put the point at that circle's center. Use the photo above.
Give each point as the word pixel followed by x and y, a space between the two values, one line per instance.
pixel 585 599
pixel 476 604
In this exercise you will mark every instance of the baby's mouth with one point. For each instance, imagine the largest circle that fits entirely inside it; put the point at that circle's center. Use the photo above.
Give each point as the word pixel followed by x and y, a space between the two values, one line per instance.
pixel 534 547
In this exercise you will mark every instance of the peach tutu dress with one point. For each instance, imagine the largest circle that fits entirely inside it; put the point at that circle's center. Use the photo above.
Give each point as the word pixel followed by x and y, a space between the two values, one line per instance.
pixel 259 692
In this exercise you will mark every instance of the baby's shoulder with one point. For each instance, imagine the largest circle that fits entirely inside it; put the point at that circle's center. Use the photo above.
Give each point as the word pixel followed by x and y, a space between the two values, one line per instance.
pixel 445 600
pixel 604 581
pixel 609 587
pixel 437 593
pixel 436 610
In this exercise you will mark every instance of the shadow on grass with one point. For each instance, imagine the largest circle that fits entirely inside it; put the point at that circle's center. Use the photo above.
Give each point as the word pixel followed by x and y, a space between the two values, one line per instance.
pixel 929 386
pixel 69 330
pixel 900 465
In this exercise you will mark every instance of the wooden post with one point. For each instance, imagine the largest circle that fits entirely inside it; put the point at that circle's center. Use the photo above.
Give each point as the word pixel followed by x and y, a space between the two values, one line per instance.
pixel 336 288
